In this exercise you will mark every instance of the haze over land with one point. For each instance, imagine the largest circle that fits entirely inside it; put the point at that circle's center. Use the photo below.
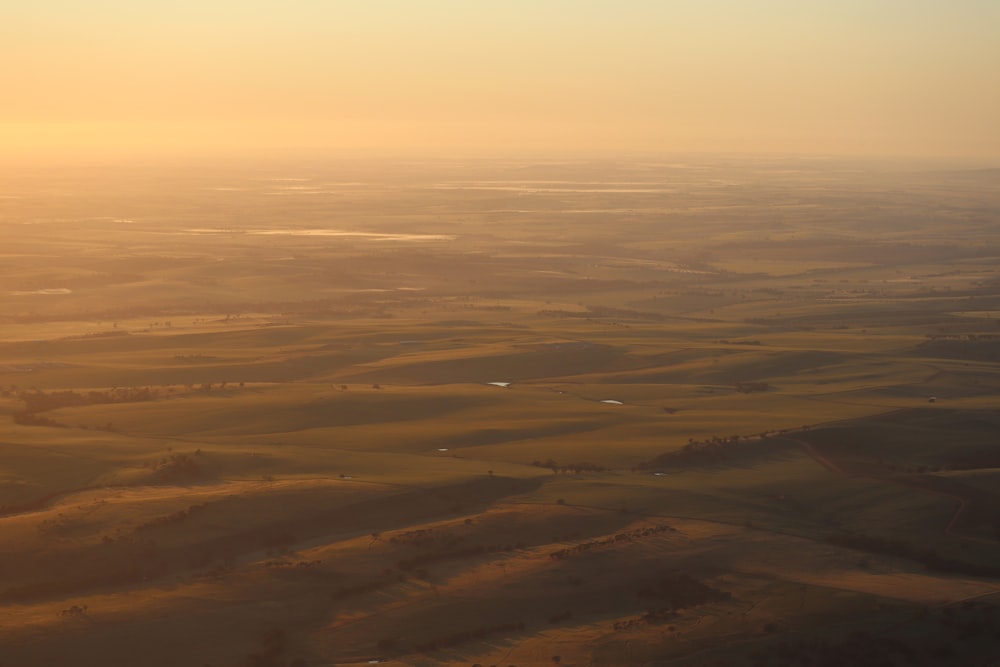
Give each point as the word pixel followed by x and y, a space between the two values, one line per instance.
pixel 449 412
pixel 550 333
pixel 882 77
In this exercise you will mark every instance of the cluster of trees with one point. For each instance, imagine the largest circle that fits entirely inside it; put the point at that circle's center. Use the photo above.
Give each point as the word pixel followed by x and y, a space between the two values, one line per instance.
pixel 469 306
pixel 120 536
pixel 696 452
pixel 708 451
pixel 41 401
pixel 99 334
pixel 207 387
pixel 174 517
pixel 421 536
pixel 651 617
pixel 630 536
pixel 611 311
pixel 972 337
pixel 75 610
pixel 177 467
pixel 591 316
pixel 678 591
pixel 36 401
pixel 288 565
pixel 575 468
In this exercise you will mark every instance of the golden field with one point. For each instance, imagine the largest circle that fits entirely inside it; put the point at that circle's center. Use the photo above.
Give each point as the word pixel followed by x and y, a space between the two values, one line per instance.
pixel 500 413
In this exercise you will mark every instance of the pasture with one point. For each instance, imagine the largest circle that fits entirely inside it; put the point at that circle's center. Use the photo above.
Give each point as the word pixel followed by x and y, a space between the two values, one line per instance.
pixel 420 420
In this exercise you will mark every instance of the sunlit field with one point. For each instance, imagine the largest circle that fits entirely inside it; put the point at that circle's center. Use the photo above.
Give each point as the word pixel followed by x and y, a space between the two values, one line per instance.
pixel 712 412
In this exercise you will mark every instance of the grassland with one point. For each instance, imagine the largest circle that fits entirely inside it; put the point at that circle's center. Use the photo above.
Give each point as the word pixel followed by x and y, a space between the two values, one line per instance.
pixel 256 415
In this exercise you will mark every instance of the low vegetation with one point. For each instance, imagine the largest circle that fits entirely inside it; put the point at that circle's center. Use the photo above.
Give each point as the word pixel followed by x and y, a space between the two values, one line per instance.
pixel 743 415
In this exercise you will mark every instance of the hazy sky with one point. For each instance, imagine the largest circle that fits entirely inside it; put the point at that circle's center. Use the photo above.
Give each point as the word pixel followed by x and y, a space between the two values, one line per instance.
pixel 480 76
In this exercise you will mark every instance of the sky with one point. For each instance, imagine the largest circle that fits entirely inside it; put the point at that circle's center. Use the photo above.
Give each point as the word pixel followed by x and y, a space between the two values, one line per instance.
pixel 491 77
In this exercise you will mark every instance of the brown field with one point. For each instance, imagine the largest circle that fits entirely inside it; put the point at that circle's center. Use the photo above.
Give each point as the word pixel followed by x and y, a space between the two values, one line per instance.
pixel 738 412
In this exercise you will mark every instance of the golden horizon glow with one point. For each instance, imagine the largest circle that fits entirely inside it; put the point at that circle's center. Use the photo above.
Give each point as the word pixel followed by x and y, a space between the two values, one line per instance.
pixel 441 76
